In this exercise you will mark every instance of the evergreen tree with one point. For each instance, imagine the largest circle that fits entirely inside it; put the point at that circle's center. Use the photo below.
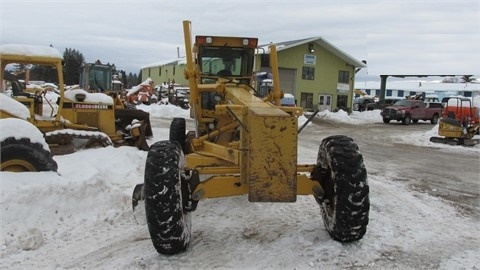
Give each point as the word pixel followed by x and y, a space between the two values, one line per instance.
pixel 468 78
pixel 71 70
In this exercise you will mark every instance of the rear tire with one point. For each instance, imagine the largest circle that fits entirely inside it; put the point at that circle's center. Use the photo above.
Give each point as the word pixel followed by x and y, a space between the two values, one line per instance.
pixel 24 156
pixel 345 203
pixel 168 223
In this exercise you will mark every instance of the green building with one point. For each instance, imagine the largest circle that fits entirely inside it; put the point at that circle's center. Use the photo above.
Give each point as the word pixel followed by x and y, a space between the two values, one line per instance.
pixel 316 72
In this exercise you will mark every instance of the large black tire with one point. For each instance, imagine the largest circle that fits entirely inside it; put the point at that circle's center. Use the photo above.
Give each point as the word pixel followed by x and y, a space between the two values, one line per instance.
pixel 178 132
pixel 386 120
pixel 345 203
pixel 24 156
pixel 434 119
pixel 168 223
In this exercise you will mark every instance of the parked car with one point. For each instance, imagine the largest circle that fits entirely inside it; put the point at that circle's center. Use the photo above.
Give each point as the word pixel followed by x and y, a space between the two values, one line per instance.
pixel 288 100
pixel 360 103
pixel 382 104
pixel 411 111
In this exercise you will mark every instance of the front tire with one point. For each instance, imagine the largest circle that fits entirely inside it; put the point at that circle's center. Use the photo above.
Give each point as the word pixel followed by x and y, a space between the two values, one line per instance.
pixel 168 223
pixel 434 119
pixel 386 120
pixel 345 203
pixel 406 120
pixel 178 131
pixel 24 156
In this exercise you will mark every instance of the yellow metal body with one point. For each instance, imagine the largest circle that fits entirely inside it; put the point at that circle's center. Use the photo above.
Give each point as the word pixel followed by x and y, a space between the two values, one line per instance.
pixel 449 130
pixel 242 144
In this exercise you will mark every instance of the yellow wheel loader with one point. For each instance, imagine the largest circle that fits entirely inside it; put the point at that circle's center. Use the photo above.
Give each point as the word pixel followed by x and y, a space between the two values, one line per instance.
pixel 77 118
pixel 243 145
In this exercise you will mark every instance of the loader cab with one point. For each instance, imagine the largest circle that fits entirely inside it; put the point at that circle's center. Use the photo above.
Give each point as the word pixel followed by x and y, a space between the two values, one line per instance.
pixel 96 77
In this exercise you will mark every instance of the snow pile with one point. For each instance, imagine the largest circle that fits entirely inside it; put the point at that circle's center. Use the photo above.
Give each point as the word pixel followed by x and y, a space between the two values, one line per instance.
pixel 89 97
pixel 81 217
pixel 13 107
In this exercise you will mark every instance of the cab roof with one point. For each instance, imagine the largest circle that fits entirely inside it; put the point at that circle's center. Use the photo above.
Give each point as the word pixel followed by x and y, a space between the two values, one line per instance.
pixel 21 53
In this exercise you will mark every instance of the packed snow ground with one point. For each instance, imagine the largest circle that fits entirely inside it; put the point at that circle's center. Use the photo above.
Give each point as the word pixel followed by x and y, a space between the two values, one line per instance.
pixel 81 217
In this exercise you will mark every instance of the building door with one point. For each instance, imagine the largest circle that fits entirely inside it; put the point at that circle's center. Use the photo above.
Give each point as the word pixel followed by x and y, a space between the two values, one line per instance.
pixel 342 102
pixel 325 102
pixel 306 101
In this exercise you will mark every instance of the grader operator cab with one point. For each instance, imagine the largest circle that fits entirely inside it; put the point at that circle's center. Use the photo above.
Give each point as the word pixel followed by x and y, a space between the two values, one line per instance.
pixel 76 117
pixel 243 145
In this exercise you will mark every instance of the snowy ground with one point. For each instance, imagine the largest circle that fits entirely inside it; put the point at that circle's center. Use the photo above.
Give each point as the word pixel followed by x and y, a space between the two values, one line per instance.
pixel 81 217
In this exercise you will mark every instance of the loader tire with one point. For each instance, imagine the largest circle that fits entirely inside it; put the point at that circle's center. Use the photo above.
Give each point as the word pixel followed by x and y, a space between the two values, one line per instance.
pixel 24 156
pixel 169 225
pixel 178 132
pixel 345 203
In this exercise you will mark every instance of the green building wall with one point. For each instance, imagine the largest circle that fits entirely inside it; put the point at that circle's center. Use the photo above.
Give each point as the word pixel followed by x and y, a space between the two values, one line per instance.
pixel 325 81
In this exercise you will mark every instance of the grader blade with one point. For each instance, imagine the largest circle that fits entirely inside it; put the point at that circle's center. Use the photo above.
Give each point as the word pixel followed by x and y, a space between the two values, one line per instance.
pixel 138 205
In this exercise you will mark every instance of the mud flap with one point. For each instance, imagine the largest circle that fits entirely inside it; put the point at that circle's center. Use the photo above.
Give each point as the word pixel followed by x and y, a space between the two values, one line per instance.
pixel 138 205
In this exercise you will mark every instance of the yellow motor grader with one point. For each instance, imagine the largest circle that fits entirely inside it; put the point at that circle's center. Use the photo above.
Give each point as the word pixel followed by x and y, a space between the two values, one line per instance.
pixel 76 119
pixel 243 145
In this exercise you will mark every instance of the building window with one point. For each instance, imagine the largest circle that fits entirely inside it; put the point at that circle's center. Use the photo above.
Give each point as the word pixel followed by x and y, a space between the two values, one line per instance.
pixel 306 100
pixel 149 72
pixel 308 73
pixel 343 76
pixel 174 71
pixel 159 71
pixel 400 93
pixel 389 93
pixel 310 48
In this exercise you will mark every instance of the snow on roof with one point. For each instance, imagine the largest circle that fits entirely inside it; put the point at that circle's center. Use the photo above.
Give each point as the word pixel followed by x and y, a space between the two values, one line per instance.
pixel 29 50
pixel 177 61
pixel 89 97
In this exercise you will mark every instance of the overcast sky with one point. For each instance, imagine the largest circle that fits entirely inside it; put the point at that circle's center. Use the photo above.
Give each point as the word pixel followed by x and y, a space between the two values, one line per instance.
pixel 395 37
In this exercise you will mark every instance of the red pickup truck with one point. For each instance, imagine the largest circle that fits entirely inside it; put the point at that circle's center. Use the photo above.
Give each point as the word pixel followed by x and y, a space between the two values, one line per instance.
pixel 411 111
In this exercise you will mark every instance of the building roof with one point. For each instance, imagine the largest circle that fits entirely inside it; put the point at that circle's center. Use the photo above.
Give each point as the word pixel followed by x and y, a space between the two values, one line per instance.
pixel 419 86
pixel 283 46
pixel 177 61
pixel 323 43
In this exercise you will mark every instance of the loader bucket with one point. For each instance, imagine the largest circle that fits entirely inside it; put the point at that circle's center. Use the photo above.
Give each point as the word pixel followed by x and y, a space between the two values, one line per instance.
pixel 127 116
pixel 141 142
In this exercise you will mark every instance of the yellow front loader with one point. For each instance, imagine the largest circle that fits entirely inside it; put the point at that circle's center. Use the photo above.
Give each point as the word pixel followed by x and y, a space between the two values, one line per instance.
pixel 74 116
pixel 243 145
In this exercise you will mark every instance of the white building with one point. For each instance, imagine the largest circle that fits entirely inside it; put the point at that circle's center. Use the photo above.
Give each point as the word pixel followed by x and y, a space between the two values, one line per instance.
pixel 402 89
